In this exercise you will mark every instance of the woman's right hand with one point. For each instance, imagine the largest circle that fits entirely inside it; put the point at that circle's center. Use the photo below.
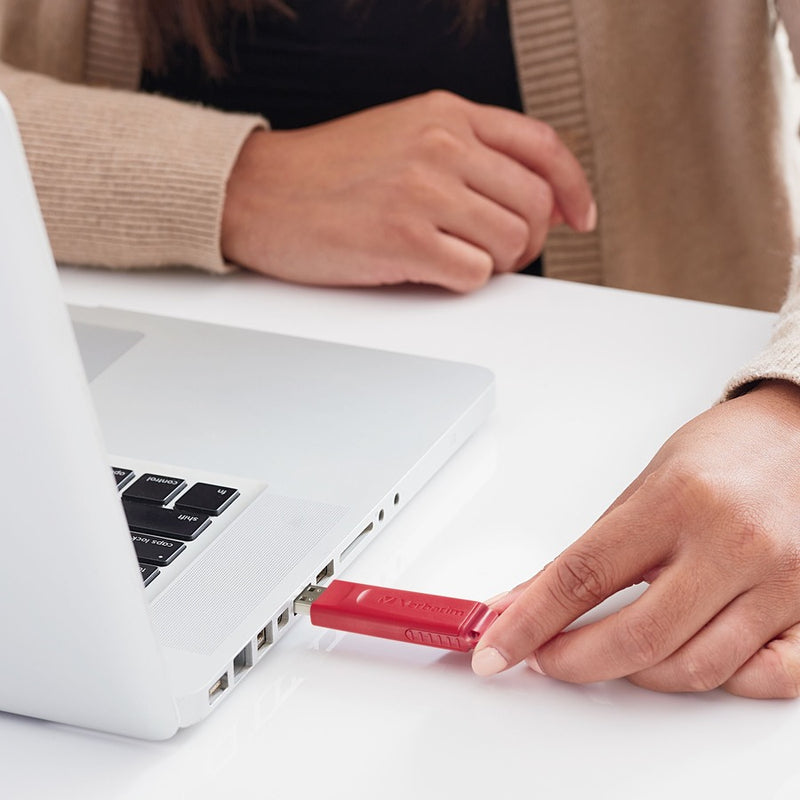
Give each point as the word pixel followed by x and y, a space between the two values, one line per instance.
pixel 433 189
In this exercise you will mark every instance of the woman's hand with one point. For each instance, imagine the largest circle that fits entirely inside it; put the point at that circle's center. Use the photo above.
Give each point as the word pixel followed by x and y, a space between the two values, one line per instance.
pixel 713 524
pixel 432 189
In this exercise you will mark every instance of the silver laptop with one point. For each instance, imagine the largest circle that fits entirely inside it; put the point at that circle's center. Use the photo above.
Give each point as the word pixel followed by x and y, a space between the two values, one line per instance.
pixel 159 518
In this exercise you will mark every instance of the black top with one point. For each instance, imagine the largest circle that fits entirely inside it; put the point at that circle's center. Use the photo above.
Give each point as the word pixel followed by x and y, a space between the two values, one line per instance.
pixel 335 57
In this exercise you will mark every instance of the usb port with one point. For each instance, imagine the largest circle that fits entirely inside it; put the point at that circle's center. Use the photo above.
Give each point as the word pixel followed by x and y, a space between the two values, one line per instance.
pixel 326 573
pixel 264 638
pixel 218 688
pixel 240 663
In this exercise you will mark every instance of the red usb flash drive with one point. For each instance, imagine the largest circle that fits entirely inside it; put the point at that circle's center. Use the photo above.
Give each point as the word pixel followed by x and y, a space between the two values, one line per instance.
pixel 428 619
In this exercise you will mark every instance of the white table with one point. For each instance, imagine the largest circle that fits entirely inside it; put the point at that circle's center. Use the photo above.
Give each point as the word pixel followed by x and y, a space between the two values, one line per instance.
pixel 590 382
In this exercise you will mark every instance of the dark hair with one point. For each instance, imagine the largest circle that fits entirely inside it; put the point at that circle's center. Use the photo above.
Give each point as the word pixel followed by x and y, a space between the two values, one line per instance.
pixel 166 23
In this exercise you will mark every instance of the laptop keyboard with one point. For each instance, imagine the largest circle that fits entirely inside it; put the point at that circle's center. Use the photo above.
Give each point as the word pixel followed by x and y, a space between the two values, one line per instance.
pixel 164 512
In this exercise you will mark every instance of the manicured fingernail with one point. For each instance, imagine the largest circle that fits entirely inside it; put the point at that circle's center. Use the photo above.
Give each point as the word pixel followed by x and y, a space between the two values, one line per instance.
pixel 591 218
pixel 492 600
pixel 533 663
pixel 487 661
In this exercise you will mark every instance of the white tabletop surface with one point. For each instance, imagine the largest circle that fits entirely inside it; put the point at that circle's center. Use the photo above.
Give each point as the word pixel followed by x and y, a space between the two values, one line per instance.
pixel 590 382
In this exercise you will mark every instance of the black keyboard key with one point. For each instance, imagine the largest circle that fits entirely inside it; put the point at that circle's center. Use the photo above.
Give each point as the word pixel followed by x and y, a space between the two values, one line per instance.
pixel 149 573
pixel 157 489
pixel 155 550
pixel 207 498
pixel 122 476
pixel 146 518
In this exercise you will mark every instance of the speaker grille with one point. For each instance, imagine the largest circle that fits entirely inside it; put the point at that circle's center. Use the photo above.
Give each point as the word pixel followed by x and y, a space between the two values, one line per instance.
pixel 205 603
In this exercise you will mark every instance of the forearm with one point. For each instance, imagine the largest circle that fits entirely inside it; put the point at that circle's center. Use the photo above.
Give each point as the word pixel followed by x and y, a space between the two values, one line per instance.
pixel 126 179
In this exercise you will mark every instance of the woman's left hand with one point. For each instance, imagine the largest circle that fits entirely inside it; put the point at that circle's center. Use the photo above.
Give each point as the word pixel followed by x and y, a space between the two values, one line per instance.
pixel 713 525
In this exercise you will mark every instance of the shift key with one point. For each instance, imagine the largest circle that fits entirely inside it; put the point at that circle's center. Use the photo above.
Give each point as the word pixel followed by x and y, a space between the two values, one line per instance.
pixel 184 525
pixel 154 550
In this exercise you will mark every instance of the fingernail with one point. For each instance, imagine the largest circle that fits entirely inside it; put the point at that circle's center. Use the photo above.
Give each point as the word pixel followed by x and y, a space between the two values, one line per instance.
pixel 533 663
pixel 492 600
pixel 487 661
pixel 591 218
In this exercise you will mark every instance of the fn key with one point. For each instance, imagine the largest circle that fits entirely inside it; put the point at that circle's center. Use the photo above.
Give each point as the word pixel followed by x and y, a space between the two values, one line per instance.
pixel 206 498
pixel 148 573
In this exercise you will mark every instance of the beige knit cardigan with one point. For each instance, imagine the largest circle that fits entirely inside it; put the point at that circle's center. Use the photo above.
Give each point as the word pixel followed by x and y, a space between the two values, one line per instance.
pixel 671 107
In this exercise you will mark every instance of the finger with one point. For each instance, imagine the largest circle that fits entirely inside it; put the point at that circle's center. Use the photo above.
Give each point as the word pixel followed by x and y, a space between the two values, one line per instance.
pixel 557 217
pixel 517 189
pixel 721 648
pixel 538 147
pixel 672 610
pixel 450 262
pixel 486 224
pixel 610 556
pixel 438 198
pixel 651 574
pixel 773 672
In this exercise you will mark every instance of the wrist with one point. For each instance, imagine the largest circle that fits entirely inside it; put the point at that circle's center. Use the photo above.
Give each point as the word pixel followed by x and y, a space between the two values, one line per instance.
pixel 780 397
pixel 237 211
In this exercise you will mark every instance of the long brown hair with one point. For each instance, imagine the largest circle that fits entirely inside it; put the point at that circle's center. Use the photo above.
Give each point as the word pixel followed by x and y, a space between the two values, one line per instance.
pixel 165 23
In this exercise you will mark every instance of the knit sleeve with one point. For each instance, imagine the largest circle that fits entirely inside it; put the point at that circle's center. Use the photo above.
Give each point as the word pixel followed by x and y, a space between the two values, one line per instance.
pixel 126 179
pixel 789 12
pixel 781 358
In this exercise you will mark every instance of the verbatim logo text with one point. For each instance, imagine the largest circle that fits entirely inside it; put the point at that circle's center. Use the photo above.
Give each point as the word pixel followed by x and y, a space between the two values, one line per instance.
pixel 420 605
